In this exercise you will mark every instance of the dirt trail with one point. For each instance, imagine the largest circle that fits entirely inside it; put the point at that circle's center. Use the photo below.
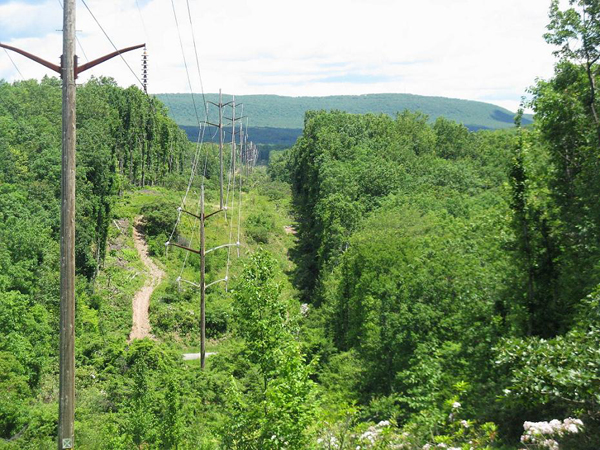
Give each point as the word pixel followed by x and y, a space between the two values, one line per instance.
pixel 141 300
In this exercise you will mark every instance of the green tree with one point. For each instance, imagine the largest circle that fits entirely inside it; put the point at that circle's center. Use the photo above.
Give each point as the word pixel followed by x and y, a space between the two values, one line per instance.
pixel 576 31
pixel 276 413
pixel 534 307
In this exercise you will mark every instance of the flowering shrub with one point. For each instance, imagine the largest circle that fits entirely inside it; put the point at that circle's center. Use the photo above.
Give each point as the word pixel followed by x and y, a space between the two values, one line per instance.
pixel 543 435
pixel 462 434
pixel 457 435
pixel 382 435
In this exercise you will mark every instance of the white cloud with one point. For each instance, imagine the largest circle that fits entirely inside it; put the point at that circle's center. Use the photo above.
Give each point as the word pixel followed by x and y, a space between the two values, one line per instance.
pixel 473 49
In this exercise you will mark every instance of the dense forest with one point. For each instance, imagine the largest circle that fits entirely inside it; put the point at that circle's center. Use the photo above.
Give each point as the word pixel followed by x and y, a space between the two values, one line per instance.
pixel 401 283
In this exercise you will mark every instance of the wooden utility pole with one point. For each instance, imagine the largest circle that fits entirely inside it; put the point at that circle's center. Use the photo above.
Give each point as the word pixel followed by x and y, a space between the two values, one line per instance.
pixel 219 125
pixel 202 282
pixel 66 410
pixel 241 144
pixel 233 136
pixel 221 146
pixel 202 253
pixel 68 70
pixel 233 133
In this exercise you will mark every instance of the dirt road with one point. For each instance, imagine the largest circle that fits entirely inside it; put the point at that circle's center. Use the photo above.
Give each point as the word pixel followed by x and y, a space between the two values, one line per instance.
pixel 141 300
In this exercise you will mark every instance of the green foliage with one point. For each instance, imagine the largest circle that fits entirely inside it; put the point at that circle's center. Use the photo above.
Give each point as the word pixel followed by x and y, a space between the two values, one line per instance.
pixel 276 413
pixel 15 392
pixel 122 138
pixel 560 375
pixel 259 227
pixel 449 278
pixel 149 399
pixel 408 297
pixel 30 170
pixel 575 30
pixel 159 218
pixel 344 166
pixel 279 166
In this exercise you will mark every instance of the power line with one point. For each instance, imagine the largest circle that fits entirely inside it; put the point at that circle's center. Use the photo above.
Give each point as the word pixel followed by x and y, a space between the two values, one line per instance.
pixel 201 217
pixel 112 43
pixel 197 59
pixel 82 50
pixel 185 63
pixel 142 19
pixel 200 128
pixel 13 63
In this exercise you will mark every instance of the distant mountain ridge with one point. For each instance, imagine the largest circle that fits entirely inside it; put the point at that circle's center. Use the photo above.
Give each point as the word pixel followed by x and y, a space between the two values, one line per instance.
pixel 278 120
pixel 288 112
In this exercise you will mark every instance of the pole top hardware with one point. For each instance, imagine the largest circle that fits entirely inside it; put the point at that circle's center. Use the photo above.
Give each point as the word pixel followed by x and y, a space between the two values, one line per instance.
pixel 77 69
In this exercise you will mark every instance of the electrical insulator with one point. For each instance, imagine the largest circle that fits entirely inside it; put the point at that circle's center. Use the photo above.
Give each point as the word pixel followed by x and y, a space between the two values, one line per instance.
pixel 145 70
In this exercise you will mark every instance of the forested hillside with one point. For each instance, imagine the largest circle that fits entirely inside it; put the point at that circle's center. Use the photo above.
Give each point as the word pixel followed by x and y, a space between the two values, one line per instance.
pixel 277 121
pixel 277 111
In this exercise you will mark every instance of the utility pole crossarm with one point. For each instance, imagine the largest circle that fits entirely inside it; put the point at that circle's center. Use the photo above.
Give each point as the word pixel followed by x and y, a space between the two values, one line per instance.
pixel 37 59
pixel 77 69
pixel 89 65
pixel 197 252
pixel 206 216
pixel 222 104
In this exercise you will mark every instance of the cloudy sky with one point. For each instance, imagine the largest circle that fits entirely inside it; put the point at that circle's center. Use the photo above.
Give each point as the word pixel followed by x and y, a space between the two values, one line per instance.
pixel 488 50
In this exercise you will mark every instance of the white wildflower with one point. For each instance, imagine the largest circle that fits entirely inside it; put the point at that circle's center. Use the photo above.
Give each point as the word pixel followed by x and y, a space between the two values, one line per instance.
pixel 555 424
pixel 464 423
pixel 551 444
pixel 540 433
pixel 369 435
pixel 456 405
pixel 384 423
pixel 572 425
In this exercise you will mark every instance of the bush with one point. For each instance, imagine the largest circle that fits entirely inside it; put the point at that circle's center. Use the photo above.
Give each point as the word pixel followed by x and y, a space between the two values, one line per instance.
pixel 159 217
pixel 258 227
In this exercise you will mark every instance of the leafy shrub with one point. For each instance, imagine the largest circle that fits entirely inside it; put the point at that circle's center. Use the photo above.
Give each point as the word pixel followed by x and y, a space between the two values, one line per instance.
pixel 258 227
pixel 159 217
